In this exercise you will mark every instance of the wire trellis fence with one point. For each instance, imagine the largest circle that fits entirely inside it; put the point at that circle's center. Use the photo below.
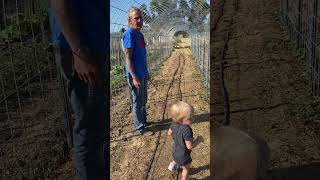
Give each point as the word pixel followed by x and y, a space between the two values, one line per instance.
pixel 159 48
pixel 32 139
pixel 200 46
pixel 302 21
pixel 34 113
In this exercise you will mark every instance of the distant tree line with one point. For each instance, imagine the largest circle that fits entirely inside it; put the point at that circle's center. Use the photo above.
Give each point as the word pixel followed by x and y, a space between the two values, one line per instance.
pixel 194 11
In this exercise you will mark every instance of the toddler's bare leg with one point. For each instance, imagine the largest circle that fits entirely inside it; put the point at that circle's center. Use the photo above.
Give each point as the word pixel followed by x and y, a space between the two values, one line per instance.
pixel 185 172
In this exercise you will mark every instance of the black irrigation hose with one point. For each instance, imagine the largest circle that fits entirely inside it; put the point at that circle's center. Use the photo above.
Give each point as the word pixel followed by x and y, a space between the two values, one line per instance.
pixel 146 174
pixel 224 90
pixel 215 25
pixel 184 61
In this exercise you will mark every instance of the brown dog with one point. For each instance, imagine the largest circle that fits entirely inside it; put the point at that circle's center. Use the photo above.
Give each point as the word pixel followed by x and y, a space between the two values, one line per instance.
pixel 238 156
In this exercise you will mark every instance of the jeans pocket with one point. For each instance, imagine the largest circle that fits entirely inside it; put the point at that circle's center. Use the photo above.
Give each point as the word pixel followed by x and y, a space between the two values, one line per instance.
pixel 64 61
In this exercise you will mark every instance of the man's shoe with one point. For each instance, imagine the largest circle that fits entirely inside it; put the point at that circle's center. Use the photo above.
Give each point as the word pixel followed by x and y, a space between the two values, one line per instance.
pixel 137 133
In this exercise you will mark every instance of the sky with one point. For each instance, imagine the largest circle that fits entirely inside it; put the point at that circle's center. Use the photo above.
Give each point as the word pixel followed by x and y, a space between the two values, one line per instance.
pixel 118 12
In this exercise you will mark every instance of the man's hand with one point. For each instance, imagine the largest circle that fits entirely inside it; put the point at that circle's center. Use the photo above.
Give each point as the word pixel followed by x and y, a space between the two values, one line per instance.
pixel 136 82
pixel 86 68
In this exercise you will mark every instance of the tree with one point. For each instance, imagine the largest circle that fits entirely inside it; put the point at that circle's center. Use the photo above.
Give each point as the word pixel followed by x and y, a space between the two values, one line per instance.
pixel 145 13
pixel 198 12
pixel 154 7
pixel 122 30
pixel 184 7
pixel 168 4
pixel 194 10
pixel 159 7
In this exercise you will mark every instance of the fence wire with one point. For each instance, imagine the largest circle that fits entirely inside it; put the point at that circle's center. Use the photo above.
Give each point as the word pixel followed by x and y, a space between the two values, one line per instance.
pixel 200 46
pixel 159 48
pixel 34 111
pixel 32 140
pixel 302 20
pixel 162 19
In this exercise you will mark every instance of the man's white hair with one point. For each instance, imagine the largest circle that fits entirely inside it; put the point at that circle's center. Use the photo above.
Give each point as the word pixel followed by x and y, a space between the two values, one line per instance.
pixel 132 9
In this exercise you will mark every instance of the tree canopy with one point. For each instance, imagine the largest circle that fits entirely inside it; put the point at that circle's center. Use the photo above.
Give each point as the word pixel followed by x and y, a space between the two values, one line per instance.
pixel 194 11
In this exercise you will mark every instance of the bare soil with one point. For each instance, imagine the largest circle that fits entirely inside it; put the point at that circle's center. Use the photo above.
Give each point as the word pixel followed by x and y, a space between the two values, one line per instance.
pixel 177 79
pixel 33 143
pixel 267 84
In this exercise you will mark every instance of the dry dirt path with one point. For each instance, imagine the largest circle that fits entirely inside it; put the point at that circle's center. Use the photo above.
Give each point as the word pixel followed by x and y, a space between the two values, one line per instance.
pixel 268 90
pixel 177 79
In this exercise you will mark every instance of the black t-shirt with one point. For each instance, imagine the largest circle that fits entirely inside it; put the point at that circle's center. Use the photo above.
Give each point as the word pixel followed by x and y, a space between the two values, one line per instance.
pixel 181 133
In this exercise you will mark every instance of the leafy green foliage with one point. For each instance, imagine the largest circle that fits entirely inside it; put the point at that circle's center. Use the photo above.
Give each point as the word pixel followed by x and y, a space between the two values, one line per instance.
pixel 22 27
pixel 195 11
pixel 117 77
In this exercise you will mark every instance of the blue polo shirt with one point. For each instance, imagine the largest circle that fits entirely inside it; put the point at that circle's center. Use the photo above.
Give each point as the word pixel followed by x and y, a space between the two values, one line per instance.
pixel 91 17
pixel 134 40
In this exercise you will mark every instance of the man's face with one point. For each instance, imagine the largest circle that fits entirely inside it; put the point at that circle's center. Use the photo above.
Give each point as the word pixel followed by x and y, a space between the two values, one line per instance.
pixel 135 20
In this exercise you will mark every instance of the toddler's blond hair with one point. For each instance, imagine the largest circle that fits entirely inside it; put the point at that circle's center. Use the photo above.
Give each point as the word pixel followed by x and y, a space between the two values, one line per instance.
pixel 180 111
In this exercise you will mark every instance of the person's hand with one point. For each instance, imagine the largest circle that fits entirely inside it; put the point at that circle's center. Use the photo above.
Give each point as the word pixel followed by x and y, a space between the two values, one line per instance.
pixel 86 68
pixel 200 139
pixel 136 82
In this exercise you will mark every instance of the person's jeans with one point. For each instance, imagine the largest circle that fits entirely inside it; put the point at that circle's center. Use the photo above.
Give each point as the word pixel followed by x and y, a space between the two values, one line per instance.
pixel 139 101
pixel 90 111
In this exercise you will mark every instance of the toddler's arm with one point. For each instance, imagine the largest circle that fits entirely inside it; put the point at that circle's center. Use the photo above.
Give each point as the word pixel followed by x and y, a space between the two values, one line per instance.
pixel 169 132
pixel 192 144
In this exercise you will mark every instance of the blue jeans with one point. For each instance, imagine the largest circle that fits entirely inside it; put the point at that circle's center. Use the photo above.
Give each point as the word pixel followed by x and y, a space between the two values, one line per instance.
pixel 139 101
pixel 90 109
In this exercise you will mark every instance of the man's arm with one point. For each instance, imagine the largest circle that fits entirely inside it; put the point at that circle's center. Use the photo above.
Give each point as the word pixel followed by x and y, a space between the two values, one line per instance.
pixel 128 55
pixel 83 62
pixel 62 10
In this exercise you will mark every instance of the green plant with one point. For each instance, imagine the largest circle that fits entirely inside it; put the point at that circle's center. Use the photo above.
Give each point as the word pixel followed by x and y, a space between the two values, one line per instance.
pixel 117 77
pixel 117 69
pixel 21 26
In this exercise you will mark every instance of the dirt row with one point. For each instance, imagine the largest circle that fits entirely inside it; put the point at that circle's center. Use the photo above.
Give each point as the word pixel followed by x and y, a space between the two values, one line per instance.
pixel 268 88
pixel 177 79
pixel 33 143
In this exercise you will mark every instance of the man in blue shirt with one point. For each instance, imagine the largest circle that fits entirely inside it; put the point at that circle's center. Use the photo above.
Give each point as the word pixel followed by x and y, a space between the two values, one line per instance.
pixel 136 68
pixel 79 33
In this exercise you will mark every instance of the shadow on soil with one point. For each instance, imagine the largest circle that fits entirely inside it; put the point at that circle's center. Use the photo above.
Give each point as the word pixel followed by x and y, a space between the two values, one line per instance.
pixel 165 124
pixel 200 169
pixel 304 172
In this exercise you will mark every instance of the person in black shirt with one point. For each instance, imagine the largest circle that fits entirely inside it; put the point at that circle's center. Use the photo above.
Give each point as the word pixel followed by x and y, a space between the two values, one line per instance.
pixel 183 141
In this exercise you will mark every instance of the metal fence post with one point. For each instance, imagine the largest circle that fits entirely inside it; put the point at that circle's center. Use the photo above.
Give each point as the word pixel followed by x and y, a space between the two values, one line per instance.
pixel 299 24
pixel 203 56
pixel 286 12
pixel 314 48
